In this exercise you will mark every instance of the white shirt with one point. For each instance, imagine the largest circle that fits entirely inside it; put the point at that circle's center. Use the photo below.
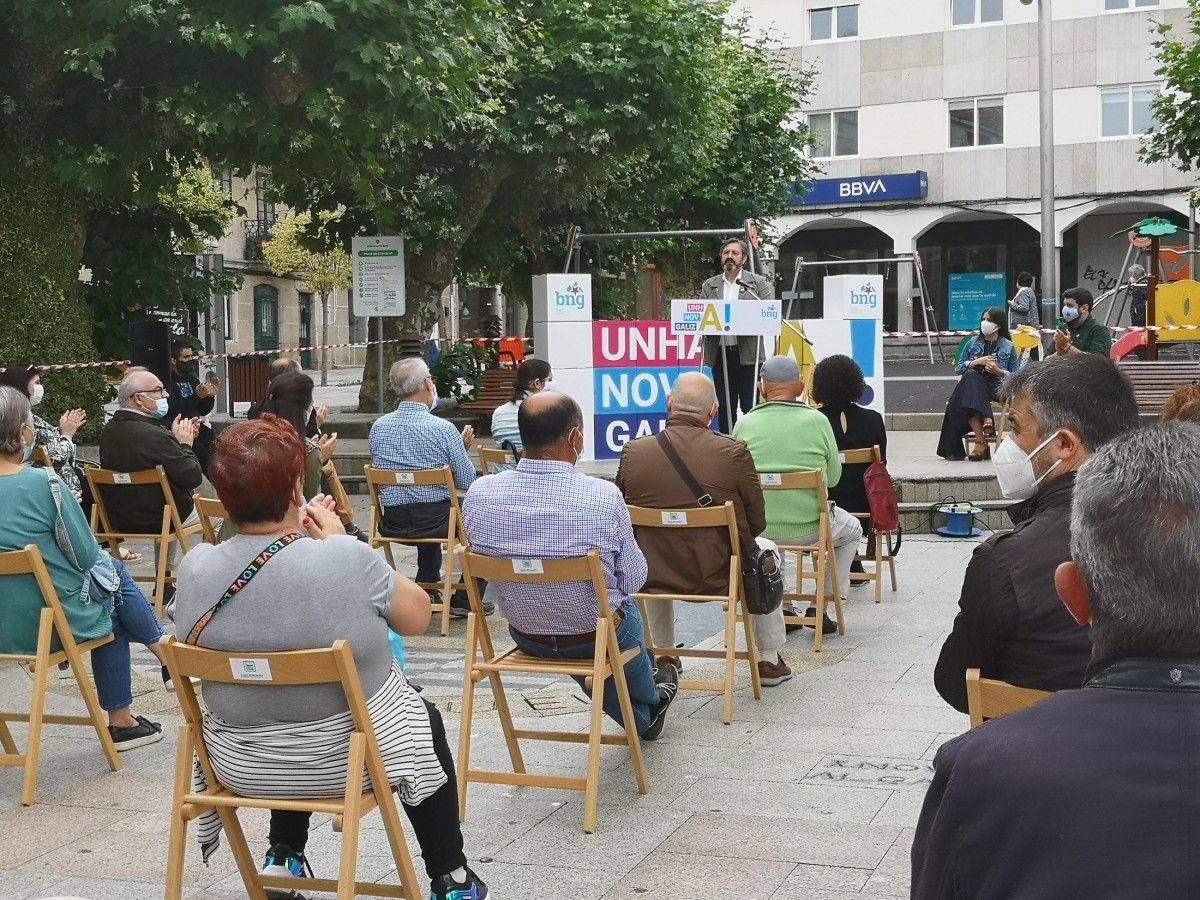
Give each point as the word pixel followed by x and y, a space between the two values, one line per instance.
pixel 730 291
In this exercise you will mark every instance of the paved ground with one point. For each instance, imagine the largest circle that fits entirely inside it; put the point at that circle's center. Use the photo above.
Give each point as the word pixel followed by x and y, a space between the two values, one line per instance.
pixel 811 793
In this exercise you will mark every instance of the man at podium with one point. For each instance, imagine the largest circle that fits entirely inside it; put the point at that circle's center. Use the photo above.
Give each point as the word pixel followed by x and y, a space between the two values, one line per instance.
pixel 733 359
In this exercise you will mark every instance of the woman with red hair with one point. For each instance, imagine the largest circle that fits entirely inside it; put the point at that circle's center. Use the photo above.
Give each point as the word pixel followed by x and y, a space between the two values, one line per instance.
pixel 310 585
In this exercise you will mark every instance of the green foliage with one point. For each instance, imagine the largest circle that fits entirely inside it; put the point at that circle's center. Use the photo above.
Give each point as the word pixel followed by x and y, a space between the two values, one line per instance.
pixel 291 250
pixel 1176 108
pixel 456 365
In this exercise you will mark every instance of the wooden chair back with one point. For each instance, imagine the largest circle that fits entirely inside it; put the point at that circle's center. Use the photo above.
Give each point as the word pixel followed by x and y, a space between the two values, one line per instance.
pixel 493 460
pixel 53 627
pixel 332 665
pixel 41 458
pixel 106 483
pixel 861 456
pixel 209 510
pixel 341 499
pixel 988 698
pixel 810 480
pixel 537 571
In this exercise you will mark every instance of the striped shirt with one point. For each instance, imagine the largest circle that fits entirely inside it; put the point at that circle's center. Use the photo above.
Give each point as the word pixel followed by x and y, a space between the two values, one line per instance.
pixel 504 425
pixel 414 438
pixel 545 509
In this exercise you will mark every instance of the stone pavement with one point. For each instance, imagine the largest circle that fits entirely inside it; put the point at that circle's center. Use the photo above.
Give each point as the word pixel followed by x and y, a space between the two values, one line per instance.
pixel 811 793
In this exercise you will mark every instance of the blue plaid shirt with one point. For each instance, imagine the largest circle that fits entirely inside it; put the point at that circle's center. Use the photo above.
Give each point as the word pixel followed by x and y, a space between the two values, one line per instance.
pixel 548 510
pixel 414 438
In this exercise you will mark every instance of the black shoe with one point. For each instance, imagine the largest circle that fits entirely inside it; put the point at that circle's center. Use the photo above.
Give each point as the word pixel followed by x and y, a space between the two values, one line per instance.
pixel 658 715
pixel 666 674
pixel 789 610
pixel 139 735
pixel 828 626
pixel 355 532
pixel 446 888
pixel 857 567
pixel 460 606
pixel 169 684
pixel 284 862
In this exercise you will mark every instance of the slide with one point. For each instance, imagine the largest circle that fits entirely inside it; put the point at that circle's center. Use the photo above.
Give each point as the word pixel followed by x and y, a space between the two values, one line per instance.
pixel 1127 344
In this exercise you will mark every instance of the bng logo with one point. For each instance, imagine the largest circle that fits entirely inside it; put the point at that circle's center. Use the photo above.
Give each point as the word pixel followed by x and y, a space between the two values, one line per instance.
pixel 572 298
pixel 865 296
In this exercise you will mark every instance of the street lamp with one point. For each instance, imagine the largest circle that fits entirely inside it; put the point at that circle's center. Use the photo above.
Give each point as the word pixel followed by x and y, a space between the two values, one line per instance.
pixel 1046 181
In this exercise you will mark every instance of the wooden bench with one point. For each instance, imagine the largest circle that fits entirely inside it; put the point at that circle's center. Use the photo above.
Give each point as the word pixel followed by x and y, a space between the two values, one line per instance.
pixel 1155 382
pixel 495 389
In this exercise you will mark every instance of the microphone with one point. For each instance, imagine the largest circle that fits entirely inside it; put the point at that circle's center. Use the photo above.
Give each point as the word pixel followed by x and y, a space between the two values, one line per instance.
pixel 738 281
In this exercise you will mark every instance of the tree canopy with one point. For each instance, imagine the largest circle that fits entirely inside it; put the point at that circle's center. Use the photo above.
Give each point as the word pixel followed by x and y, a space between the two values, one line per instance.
pixel 1177 107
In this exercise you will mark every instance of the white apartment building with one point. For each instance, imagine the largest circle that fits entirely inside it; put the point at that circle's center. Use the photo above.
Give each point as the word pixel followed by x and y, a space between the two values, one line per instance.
pixel 946 92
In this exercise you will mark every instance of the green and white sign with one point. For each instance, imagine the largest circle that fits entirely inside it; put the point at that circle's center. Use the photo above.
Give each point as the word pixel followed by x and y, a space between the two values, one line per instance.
pixel 378 275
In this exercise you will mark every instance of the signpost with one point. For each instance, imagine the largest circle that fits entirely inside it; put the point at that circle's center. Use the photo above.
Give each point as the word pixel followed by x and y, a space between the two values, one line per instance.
pixel 379 284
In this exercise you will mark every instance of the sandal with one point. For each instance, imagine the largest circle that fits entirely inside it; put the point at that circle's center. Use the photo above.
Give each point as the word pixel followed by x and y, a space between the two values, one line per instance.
pixel 989 428
pixel 128 556
pixel 980 453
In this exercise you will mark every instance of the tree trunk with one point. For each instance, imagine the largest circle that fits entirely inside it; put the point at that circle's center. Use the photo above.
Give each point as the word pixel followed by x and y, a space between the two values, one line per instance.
pixel 324 339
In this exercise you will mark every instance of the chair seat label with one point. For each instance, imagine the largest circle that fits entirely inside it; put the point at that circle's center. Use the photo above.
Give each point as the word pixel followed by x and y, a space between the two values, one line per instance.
pixel 528 567
pixel 121 478
pixel 250 669
pixel 674 517
pixel 770 479
pixel 404 478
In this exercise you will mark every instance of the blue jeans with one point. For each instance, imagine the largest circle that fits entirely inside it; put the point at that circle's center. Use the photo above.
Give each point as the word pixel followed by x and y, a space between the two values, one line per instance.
pixel 133 619
pixel 639 671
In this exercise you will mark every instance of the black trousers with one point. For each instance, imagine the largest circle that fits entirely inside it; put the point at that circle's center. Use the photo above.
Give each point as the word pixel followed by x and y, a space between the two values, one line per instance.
pixel 434 820
pixel 742 379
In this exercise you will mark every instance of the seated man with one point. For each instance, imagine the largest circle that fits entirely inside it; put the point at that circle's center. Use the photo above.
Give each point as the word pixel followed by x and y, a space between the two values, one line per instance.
pixel 413 438
pixel 1010 623
pixel 786 435
pixel 1083 334
pixel 695 562
pixel 1087 793
pixel 545 509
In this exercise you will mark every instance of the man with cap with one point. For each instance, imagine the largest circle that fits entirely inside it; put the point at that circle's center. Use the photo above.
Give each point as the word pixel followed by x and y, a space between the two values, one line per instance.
pixel 784 434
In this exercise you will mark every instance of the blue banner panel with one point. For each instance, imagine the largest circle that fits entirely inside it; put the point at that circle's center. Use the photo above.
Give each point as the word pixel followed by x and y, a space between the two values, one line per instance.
pixel 615 431
pixel 862 189
pixel 970 293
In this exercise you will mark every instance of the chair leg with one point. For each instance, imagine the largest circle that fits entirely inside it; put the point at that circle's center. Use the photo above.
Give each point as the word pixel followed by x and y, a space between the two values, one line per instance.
pixel 892 561
pixel 399 844
pixel 878 567
pixel 6 738
pixel 387 552
pixel 92 702
pixel 631 737
pixel 37 709
pixel 819 602
pixel 160 575
pixel 241 853
pixel 466 716
pixel 447 592
pixel 352 818
pixel 730 651
pixel 177 848
pixel 592 792
pixel 751 652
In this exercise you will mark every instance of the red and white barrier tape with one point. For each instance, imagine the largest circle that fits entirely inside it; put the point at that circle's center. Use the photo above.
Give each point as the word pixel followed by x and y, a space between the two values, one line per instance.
pixel 1112 328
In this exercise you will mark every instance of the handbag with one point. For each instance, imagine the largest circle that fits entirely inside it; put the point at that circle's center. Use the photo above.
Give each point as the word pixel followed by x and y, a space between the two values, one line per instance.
pixel 882 501
pixel 762 574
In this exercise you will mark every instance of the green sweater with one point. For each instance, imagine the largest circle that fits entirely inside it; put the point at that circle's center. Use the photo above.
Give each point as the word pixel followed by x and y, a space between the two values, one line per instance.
pixel 790 437
pixel 29 519
pixel 1091 336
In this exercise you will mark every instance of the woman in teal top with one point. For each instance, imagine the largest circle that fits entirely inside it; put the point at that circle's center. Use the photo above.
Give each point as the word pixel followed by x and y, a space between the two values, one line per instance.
pixel 30 515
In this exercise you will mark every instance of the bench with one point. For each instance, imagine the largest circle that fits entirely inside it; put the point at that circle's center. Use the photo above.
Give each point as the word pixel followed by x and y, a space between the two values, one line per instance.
pixel 1155 382
pixel 495 389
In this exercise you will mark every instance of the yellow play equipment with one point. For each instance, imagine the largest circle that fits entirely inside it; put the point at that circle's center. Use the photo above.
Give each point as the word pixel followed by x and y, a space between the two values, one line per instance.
pixel 1177 303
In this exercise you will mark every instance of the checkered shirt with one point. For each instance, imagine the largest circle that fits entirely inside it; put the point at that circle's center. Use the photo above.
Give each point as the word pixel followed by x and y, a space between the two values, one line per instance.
pixel 548 510
pixel 414 438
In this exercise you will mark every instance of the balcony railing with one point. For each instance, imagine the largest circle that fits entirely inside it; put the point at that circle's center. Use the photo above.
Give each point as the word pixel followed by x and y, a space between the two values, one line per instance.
pixel 258 232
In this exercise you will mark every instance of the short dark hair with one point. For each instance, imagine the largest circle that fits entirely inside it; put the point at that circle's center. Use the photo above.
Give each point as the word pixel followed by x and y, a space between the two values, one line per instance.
pixel 528 372
pixel 838 382
pixel 1000 318
pixel 255 466
pixel 1024 279
pixel 177 348
pixel 1084 392
pixel 289 397
pixel 1081 295
pixel 19 377
pixel 551 423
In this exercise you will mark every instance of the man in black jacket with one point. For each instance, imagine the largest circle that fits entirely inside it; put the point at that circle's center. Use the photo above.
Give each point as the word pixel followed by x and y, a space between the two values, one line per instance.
pixel 1011 624
pixel 1090 793
pixel 190 398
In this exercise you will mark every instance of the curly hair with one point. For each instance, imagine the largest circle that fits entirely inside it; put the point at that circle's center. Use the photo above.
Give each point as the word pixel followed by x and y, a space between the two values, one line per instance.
pixel 837 382
pixel 1183 404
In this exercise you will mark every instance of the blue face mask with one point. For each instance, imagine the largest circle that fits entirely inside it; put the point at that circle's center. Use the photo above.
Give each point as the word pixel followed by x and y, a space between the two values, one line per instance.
pixel 27 453
pixel 1070 313
pixel 160 406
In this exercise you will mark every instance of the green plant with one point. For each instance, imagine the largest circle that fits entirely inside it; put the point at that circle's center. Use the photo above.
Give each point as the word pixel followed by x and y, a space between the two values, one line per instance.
pixel 456 365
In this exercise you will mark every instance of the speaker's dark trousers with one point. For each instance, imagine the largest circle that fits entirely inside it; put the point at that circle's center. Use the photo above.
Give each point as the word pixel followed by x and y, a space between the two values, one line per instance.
pixel 742 379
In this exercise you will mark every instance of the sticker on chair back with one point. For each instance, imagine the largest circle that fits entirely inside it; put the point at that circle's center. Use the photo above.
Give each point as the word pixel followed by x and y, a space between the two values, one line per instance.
pixel 770 480
pixel 404 478
pixel 674 517
pixel 121 478
pixel 250 669
pixel 528 567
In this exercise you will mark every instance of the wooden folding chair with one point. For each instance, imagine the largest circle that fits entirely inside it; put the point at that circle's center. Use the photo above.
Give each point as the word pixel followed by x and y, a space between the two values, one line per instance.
pixel 821 553
pixel 482 661
pixel 106 484
pixel 341 500
pixel 988 698
pixel 334 665
pixel 732 602
pixel 209 511
pixel 40 458
pixel 874 535
pixel 52 624
pixel 443 477
pixel 496 460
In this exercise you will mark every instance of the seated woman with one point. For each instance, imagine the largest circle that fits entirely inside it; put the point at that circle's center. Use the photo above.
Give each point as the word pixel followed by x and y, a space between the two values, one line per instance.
pixel 35 502
pixel 320 587
pixel 838 385
pixel 532 377
pixel 989 358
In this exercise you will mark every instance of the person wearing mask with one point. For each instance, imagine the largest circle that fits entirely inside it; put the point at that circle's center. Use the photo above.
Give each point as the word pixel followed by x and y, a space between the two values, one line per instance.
pixel 989 358
pixel 1010 623
pixel 1083 333
pixel 190 398
pixel 533 376
pixel 1023 308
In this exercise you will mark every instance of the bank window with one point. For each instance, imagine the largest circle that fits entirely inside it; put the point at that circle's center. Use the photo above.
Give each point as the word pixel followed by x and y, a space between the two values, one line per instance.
pixel 829 22
pixel 834 133
pixel 1127 110
pixel 1128 4
pixel 977 123
pixel 976 12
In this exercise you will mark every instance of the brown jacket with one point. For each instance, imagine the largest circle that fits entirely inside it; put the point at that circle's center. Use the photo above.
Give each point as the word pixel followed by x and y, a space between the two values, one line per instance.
pixel 691 562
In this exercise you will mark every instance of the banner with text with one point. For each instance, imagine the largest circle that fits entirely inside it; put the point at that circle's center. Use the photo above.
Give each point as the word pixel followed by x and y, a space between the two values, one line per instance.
pixel 713 317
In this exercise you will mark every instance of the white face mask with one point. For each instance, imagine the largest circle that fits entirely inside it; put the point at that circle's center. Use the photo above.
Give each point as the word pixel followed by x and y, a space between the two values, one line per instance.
pixel 37 392
pixel 988 328
pixel 1014 468
pixel 578 453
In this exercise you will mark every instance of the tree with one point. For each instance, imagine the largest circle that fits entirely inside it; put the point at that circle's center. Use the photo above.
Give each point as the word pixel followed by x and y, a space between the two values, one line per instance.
pixel 324 271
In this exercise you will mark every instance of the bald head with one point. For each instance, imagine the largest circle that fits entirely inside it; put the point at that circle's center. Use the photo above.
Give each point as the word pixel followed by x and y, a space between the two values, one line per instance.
pixel 547 422
pixel 284 364
pixel 693 394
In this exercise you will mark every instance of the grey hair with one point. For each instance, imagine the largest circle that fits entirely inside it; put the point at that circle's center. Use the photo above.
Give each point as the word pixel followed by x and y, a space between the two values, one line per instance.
pixel 1136 271
pixel 1139 547
pixel 408 375
pixel 15 411
pixel 693 393
pixel 128 386
pixel 1081 392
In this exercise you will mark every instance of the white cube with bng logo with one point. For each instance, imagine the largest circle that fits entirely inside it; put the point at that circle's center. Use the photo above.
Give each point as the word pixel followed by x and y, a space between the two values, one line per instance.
pixel 853 297
pixel 562 298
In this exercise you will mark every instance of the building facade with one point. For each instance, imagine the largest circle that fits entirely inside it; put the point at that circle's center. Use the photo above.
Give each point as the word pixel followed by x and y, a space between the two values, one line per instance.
pixel 945 92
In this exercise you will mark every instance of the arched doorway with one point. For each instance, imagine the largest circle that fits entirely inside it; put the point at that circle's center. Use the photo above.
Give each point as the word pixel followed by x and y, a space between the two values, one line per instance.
pixel 266 317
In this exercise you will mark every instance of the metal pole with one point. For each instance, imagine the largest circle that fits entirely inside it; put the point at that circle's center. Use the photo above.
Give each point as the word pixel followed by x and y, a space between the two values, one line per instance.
pixel 1191 240
pixel 379 358
pixel 1046 113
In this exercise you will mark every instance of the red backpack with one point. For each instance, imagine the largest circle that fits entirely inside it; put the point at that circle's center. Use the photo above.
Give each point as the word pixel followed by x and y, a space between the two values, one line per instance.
pixel 881 497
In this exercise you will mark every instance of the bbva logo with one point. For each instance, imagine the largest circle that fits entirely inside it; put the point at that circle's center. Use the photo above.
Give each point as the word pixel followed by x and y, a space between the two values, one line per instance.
pixel 866 295
pixel 572 298
pixel 861 188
